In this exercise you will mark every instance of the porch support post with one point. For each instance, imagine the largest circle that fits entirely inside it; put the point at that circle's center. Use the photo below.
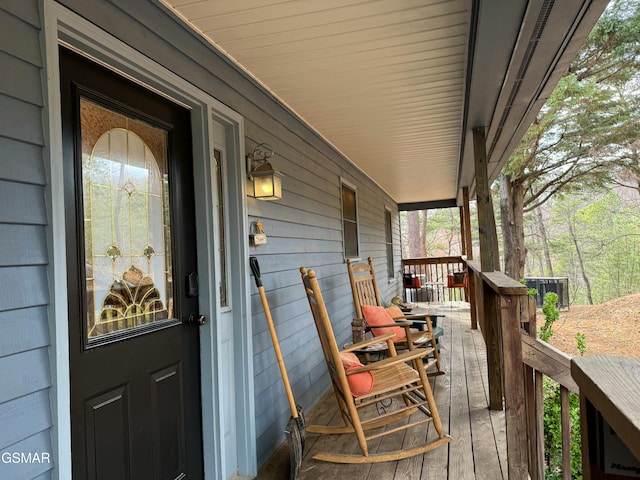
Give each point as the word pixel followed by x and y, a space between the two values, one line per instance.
pixel 489 259
pixel 463 234
pixel 466 217
pixel 471 278
pixel 488 263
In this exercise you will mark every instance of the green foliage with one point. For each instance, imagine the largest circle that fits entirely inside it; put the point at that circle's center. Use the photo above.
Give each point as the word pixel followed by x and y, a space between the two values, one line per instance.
pixel 553 426
pixel 532 292
pixel 551 314
pixel 552 414
pixel 606 230
pixel 582 343
pixel 553 432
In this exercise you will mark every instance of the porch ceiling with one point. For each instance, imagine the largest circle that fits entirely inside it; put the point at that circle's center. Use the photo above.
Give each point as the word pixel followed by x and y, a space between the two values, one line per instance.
pixel 397 86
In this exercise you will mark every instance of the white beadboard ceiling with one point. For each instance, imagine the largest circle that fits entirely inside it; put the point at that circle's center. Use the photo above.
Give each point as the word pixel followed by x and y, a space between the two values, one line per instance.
pixel 393 84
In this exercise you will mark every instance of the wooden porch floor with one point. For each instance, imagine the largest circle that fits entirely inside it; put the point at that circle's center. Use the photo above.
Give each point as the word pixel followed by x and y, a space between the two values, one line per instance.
pixel 478 446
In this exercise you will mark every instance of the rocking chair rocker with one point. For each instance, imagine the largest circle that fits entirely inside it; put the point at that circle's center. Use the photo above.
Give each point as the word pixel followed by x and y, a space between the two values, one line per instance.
pixel 358 386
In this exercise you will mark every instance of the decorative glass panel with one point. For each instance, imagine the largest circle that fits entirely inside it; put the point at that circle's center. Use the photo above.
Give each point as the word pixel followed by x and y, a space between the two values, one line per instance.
pixel 126 222
pixel 224 302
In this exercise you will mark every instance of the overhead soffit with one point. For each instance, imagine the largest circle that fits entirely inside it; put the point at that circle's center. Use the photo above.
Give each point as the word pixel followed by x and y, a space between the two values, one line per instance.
pixel 386 82
pixel 383 81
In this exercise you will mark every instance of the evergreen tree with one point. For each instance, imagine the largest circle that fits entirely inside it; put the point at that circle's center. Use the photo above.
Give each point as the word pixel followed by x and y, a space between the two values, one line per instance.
pixel 588 132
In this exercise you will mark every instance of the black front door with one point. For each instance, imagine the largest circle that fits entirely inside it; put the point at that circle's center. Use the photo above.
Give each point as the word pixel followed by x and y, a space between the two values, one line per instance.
pixel 132 286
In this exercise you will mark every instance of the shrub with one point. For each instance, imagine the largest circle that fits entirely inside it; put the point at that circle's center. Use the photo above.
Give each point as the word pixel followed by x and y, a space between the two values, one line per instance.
pixel 551 314
pixel 553 432
pixel 552 417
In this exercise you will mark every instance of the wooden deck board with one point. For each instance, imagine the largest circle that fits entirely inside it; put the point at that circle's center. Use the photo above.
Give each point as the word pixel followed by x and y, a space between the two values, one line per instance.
pixel 477 450
pixel 461 448
pixel 435 464
pixel 485 455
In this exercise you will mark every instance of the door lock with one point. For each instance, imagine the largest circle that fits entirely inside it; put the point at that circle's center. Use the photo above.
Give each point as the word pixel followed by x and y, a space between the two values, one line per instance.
pixel 196 320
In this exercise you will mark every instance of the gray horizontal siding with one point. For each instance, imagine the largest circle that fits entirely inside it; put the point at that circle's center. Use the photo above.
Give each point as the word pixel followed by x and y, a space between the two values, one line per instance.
pixel 22 330
pixel 23 287
pixel 20 36
pixel 22 204
pixel 24 373
pixel 22 245
pixel 24 11
pixel 25 376
pixel 21 162
pixel 39 443
pixel 21 416
pixel 24 123
pixel 20 80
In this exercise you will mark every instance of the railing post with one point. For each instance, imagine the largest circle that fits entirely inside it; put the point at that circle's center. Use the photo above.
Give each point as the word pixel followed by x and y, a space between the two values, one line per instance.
pixel 516 425
pixel 492 341
pixel 471 276
pixel 566 433
pixel 534 404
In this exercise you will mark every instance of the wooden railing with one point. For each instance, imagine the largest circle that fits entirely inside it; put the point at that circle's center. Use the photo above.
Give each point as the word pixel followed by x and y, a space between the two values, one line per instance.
pixel 517 364
pixel 610 402
pixel 434 277
pixel 543 360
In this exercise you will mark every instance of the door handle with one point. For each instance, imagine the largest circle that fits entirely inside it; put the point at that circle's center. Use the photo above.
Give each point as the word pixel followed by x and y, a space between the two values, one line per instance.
pixel 196 320
pixel 192 285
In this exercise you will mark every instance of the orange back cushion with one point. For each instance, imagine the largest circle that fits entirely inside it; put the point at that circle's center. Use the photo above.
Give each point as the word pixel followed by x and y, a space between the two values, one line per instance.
pixel 394 312
pixel 378 316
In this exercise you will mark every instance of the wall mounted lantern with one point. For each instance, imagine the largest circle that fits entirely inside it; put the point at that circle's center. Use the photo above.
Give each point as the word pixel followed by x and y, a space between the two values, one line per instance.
pixel 265 182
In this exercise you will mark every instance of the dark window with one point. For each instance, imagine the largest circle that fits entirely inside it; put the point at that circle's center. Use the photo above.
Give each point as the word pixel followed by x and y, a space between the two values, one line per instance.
pixel 349 222
pixel 388 238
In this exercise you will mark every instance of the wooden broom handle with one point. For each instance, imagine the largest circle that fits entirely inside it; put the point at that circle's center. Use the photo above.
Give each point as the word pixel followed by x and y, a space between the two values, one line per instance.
pixel 276 347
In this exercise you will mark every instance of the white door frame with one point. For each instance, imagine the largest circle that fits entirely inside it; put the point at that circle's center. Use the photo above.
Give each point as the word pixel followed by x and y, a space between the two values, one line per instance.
pixel 63 26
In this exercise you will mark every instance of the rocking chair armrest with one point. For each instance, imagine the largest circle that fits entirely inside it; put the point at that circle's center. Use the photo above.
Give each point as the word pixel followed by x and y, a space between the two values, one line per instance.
pixel 398 322
pixel 418 338
pixel 393 360
pixel 393 324
pixel 370 341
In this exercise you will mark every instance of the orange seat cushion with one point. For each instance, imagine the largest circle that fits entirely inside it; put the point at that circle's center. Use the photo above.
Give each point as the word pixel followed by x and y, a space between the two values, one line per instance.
pixel 359 383
pixel 374 315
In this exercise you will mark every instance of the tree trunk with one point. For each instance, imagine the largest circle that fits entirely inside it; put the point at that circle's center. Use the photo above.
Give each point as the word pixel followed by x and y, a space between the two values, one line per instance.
pixel 545 241
pixel 587 284
pixel 512 217
pixel 417 248
pixel 423 233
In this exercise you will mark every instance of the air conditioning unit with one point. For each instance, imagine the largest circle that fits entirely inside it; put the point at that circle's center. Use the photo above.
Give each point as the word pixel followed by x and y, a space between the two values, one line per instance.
pixel 557 285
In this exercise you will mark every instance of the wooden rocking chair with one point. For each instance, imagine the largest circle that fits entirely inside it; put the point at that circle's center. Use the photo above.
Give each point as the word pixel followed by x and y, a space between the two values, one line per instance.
pixel 364 288
pixel 358 386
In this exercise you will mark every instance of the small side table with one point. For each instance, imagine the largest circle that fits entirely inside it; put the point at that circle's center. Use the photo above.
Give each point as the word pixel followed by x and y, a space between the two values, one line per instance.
pixel 379 349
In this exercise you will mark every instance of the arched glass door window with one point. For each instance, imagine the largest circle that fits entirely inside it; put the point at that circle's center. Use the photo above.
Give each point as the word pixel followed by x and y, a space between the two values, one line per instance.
pixel 128 270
